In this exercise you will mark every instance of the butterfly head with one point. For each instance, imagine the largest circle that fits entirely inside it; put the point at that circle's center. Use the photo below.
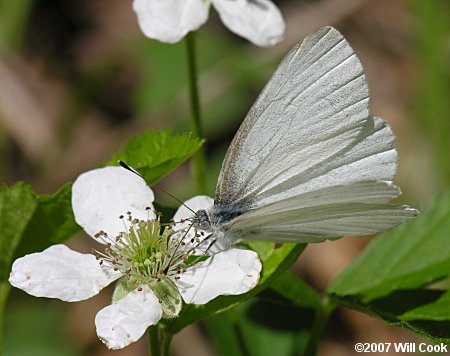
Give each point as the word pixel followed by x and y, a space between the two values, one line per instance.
pixel 201 220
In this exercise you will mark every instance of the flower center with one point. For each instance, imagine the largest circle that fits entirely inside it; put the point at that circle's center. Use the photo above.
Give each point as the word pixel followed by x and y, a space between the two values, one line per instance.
pixel 145 252
pixel 148 253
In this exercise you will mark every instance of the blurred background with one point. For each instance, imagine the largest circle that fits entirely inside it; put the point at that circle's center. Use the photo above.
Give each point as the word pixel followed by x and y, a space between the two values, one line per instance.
pixel 78 79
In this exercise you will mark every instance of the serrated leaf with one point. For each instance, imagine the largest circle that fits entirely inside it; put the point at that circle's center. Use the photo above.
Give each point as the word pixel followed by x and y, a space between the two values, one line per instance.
pixel 52 222
pixel 156 153
pixel 438 310
pixel 390 278
pixel 393 308
pixel 275 261
pixel 17 206
pixel 413 255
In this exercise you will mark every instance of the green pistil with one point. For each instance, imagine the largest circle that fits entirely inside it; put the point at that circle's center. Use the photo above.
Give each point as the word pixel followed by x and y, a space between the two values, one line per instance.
pixel 146 253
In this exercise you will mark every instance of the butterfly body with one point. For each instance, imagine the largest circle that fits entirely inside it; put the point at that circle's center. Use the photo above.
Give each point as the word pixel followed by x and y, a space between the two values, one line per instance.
pixel 213 221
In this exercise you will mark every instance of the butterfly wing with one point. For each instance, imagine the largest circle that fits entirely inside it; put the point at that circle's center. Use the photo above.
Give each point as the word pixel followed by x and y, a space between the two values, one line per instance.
pixel 356 209
pixel 309 134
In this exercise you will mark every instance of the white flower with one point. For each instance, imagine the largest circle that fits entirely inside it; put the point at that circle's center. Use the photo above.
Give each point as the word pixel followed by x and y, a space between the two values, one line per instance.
pixel 156 267
pixel 259 21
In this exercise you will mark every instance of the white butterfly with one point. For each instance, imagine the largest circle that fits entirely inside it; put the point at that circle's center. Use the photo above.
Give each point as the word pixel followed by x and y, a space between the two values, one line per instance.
pixel 308 163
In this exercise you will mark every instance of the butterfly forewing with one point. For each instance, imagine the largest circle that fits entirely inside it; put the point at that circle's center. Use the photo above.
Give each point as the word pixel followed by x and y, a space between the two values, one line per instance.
pixel 314 106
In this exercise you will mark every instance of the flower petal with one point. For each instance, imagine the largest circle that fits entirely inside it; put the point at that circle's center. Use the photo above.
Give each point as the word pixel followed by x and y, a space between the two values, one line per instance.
pixel 100 196
pixel 259 21
pixel 231 272
pixel 196 203
pixel 59 272
pixel 124 322
pixel 170 20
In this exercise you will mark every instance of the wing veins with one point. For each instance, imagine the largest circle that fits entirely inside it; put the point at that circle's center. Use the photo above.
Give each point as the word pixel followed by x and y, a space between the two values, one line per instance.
pixel 253 173
pixel 326 74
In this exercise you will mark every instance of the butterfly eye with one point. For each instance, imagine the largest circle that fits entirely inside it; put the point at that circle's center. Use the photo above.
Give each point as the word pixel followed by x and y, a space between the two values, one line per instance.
pixel 202 220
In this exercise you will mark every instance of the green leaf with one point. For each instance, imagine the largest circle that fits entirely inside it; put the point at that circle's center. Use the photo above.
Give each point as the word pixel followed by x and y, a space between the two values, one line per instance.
pixel 279 321
pixel 269 328
pixel 275 261
pixel 17 206
pixel 413 255
pixel 156 153
pixel 296 290
pixel 394 308
pixel 391 278
pixel 52 222
pixel 438 310
pixel 222 330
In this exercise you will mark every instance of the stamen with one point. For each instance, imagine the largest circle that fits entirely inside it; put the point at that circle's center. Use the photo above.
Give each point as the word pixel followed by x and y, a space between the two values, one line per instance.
pixel 147 251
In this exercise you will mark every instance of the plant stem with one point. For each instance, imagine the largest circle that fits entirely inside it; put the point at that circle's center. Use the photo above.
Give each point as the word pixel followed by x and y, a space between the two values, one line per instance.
pixel 154 342
pixel 167 342
pixel 159 341
pixel 199 158
pixel 320 323
pixel 4 293
pixel 240 339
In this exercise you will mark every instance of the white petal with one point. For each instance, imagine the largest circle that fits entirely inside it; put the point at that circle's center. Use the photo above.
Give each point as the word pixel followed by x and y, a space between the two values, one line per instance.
pixel 124 322
pixel 259 21
pixel 196 203
pixel 100 196
pixel 170 20
pixel 59 272
pixel 230 272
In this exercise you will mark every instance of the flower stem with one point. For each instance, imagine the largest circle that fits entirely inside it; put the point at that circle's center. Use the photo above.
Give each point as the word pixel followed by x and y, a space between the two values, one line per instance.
pixel 167 342
pixel 154 342
pixel 320 323
pixel 199 158
pixel 4 293
pixel 159 341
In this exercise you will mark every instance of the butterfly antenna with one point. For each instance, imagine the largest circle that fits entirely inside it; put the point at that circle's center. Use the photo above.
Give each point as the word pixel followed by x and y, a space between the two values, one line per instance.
pixel 128 168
